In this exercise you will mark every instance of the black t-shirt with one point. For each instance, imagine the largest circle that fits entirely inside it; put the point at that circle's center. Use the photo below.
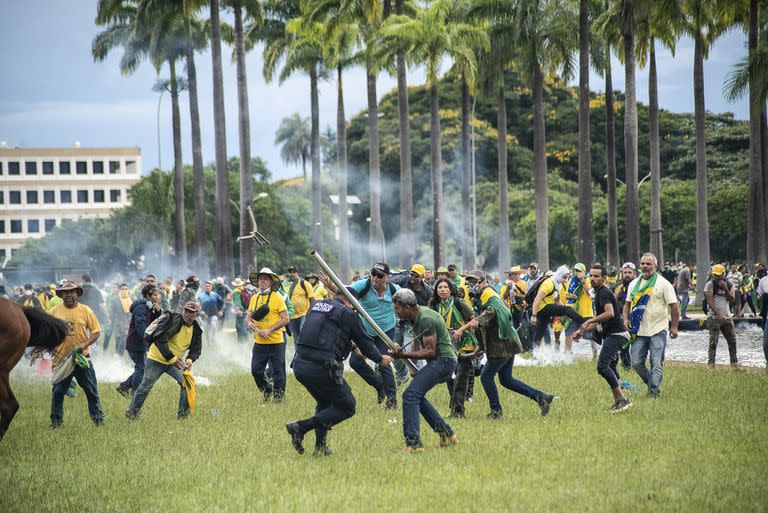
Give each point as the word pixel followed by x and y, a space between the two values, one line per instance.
pixel 604 296
pixel 669 275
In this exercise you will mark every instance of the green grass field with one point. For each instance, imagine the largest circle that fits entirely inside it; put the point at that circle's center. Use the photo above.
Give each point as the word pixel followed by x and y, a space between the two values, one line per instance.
pixel 701 447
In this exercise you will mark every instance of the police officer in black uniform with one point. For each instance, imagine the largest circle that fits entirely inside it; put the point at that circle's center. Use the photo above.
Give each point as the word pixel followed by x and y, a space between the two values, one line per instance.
pixel 325 342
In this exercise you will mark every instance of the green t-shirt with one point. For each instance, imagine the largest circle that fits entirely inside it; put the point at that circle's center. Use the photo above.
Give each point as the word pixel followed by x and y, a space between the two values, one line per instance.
pixel 428 322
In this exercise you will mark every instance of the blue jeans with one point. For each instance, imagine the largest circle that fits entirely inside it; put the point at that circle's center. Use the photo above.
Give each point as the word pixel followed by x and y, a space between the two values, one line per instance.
pixel 152 372
pixel 274 355
pixel 241 328
pixel 134 380
pixel 86 378
pixel 503 368
pixel 765 343
pixel 385 379
pixel 653 346
pixel 415 400
pixel 296 325
pixel 685 299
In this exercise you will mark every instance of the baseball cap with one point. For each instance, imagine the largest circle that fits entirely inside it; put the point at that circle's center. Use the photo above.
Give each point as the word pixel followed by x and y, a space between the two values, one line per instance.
pixel 442 270
pixel 293 268
pixel 191 306
pixel 718 270
pixel 580 267
pixel 630 265
pixel 418 269
pixel 380 267
pixel 476 274
pixel 533 264
pixel 452 267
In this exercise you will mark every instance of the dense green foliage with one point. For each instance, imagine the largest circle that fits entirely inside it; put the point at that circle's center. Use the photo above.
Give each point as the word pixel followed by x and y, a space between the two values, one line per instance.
pixel 701 447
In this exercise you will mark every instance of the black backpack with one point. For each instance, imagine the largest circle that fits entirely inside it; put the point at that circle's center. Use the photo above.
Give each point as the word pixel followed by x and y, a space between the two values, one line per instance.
pixel 368 286
pixel 530 294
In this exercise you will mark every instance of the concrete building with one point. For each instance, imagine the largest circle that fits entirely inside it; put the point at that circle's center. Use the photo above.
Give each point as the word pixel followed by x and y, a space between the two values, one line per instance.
pixel 40 187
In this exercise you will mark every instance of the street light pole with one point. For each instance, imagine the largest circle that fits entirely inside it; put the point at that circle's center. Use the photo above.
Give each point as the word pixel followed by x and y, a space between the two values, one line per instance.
pixel 474 185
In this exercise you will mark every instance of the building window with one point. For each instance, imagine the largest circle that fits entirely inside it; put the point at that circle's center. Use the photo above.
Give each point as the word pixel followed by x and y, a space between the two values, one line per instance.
pixel 130 167
pixel 114 195
pixel 50 224
pixel 98 167
pixel 47 167
pixel 31 197
pixel 14 197
pixel 1 168
pixel 15 225
pixel 2 225
pixel 2 255
pixel 30 168
pixel 98 196
pixel 33 226
pixel 82 196
pixel 49 197
pixel 2 197
pixel 81 167
pixel 64 168
pixel 114 167
pixel 65 196
pixel 13 168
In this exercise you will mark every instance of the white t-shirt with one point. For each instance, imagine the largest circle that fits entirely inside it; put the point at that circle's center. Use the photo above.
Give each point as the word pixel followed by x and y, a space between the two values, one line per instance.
pixel 762 285
pixel 656 317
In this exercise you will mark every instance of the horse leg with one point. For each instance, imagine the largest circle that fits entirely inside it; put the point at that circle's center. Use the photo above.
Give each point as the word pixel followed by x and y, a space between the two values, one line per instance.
pixel 8 403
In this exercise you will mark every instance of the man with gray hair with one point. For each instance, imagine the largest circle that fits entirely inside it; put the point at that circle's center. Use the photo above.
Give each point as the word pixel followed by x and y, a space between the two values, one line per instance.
pixel 646 316
pixel 432 343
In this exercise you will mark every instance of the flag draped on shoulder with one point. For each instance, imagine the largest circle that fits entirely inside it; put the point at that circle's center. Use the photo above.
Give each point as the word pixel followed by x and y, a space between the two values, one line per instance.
pixel 638 299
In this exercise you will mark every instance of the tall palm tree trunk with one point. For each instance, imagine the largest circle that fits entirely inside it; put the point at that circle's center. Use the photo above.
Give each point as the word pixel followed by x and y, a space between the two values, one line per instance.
pixel 586 239
pixel 540 172
pixel 341 156
pixel 501 150
pixel 630 150
pixel 317 231
pixel 407 236
pixel 656 245
pixel 436 161
pixel 755 199
pixel 225 265
pixel 467 258
pixel 247 249
pixel 180 242
pixel 377 249
pixel 702 217
pixel 610 164
pixel 764 154
pixel 201 239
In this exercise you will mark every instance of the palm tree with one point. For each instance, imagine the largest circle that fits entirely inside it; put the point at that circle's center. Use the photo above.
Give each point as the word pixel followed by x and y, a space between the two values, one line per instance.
pixel 751 75
pixel 407 237
pixel 704 24
pixel 224 254
pixel 294 137
pixel 586 243
pixel 428 38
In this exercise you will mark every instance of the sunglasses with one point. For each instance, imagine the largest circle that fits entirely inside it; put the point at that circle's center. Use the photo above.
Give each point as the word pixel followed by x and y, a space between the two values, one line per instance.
pixel 377 274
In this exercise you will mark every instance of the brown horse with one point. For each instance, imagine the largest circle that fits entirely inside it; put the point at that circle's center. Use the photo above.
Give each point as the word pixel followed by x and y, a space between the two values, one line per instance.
pixel 20 328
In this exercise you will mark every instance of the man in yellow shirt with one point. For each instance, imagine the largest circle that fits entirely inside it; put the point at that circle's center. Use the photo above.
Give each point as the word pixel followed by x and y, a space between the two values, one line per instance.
pixel 268 318
pixel 513 294
pixel 318 289
pixel 578 297
pixel 302 297
pixel 176 335
pixel 547 304
pixel 83 330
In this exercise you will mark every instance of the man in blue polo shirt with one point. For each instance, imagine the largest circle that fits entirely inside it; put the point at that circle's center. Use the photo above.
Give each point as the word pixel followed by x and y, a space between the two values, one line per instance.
pixel 375 296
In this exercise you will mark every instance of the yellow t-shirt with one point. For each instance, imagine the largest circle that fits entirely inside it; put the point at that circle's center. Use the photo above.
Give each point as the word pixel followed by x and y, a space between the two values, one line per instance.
pixel 584 306
pixel 508 301
pixel 548 287
pixel 320 292
pixel 178 345
pixel 276 307
pixel 299 298
pixel 81 324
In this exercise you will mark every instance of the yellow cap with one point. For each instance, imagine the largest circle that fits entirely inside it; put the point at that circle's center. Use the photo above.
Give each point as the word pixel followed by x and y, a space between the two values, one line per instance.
pixel 418 269
pixel 718 270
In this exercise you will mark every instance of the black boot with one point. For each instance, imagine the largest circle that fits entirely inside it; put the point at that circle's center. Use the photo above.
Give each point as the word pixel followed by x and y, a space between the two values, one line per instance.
pixel 321 447
pixel 297 436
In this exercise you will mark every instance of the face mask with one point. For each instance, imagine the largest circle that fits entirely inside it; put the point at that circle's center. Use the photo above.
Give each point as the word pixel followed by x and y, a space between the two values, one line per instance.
pixel 474 291
pixel 28 292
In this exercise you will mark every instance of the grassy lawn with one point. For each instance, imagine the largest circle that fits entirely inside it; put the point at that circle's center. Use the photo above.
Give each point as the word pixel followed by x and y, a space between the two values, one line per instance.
pixel 701 447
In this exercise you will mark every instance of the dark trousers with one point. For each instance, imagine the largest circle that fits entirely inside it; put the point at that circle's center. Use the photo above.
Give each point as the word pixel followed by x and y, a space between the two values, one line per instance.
pixel 241 328
pixel 459 386
pixel 274 354
pixel 385 378
pixel 503 368
pixel 134 380
pixel 728 331
pixel 545 315
pixel 86 378
pixel 335 402
pixel 609 358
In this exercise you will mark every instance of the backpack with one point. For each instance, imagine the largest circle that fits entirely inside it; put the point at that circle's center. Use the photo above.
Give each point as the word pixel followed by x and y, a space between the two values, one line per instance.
pixel 303 286
pixel 368 286
pixel 530 294
pixel 245 298
pixel 157 327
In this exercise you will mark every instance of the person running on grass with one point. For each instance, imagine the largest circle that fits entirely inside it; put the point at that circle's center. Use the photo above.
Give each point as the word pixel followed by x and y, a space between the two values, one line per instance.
pixel 609 323
pixel 546 305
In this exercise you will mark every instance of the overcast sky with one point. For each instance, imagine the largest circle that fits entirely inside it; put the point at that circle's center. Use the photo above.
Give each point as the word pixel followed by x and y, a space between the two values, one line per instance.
pixel 52 93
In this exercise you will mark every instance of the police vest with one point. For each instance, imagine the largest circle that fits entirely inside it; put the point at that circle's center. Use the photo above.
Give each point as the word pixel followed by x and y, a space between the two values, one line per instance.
pixel 324 334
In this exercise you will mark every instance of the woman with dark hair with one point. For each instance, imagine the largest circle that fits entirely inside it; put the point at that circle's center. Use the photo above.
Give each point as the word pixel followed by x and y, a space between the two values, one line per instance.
pixel 448 301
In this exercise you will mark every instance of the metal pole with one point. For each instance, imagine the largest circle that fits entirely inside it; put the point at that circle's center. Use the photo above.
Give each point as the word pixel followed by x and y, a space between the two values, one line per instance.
pixel 355 304
pixel 474 187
